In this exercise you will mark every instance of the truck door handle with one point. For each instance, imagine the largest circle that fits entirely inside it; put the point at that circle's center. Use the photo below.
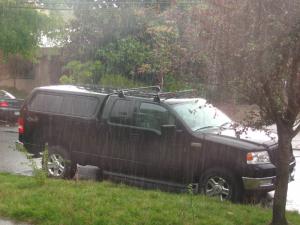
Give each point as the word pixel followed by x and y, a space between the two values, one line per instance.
pixel 196 145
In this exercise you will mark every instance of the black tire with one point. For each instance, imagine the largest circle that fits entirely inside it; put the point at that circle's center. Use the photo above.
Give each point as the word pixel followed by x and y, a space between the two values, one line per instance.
pixel 57 163
pixel 222 184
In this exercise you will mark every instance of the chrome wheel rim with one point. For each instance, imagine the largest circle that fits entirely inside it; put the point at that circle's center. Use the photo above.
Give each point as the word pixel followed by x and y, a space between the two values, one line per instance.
pixel 218 187
pixel 56 165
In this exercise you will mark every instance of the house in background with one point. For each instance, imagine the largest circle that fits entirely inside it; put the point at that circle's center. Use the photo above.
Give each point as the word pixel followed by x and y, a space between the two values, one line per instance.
pixel 25 75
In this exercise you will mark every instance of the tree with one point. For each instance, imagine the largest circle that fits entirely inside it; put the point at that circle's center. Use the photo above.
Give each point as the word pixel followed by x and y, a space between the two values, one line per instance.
pixel 283 106
pixel 21 28
pixel 134 42
pixel 125 56
pixel 272 80
pixel 252 48
pixel 162 37
pixel 94 28
pixel 266 72
pixel 82 73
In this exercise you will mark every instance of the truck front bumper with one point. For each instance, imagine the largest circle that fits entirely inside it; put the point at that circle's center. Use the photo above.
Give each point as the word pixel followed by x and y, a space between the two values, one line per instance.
pixel 265 183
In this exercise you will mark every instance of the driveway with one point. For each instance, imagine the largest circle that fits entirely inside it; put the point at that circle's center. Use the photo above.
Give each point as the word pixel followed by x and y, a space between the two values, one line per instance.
pixel 13 161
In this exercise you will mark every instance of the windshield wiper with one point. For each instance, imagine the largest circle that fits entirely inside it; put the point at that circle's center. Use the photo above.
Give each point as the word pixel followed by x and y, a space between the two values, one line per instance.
pixel 224 124
pixel 206 127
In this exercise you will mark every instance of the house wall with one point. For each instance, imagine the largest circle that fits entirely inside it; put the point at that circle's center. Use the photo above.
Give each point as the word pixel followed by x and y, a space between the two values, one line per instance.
pixel 4 74
pixel 45 72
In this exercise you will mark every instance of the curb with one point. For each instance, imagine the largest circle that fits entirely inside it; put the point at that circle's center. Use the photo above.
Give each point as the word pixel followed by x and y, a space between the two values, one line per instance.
pixel 296 152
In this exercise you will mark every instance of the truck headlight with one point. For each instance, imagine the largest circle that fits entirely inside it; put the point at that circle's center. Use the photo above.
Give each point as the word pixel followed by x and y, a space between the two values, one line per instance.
pixel 258 157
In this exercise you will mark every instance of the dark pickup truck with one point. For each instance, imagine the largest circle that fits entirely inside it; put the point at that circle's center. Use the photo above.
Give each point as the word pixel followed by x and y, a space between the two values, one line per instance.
pixel 148 138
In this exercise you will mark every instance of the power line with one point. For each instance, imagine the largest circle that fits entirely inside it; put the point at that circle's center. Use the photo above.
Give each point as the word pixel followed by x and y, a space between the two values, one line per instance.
pixel 93 5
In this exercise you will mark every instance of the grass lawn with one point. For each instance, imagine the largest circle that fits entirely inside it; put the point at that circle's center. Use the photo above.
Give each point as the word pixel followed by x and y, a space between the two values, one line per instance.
pixel 62 202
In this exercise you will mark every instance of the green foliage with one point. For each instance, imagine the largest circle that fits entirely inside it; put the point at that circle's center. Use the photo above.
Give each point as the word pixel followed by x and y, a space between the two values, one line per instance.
pixel 132 42
pixel 125 56
pixel 82 73
pixel 118 81
pixel 94 28
pixel 39 174
pixel 172 84
pixel 21 28
pixel 136 43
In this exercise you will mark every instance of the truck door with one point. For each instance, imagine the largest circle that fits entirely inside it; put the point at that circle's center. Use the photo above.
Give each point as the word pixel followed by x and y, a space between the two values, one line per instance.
pixel 158 152
pixel 118 155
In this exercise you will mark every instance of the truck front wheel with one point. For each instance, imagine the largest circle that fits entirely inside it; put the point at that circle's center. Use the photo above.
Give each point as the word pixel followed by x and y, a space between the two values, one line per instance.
pixel 222 184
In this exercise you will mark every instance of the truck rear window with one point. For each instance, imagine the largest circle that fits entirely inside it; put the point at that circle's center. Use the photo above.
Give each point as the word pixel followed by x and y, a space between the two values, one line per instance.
pixel 73 105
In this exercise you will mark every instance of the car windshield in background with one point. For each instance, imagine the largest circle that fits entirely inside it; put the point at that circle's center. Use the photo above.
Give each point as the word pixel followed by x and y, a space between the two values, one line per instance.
pixel 199 116
pixel 5 95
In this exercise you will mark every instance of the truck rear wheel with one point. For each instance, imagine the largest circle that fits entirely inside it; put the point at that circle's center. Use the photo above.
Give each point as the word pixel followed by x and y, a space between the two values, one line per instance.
pixel 222 184
pixel 58 164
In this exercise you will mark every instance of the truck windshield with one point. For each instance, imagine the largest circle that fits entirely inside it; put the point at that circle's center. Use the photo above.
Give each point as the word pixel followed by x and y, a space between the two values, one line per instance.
pixel 201 116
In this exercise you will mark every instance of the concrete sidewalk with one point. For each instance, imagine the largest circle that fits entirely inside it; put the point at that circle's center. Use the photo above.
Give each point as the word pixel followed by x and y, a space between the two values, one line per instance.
pixel 296 142
pixel 10 222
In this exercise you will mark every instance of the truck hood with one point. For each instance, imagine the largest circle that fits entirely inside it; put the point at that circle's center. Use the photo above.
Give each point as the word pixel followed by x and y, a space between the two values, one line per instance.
pixel 250 136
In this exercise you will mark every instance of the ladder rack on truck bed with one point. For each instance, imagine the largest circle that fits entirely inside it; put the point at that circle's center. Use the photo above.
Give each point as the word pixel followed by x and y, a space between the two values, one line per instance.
pixel 145 92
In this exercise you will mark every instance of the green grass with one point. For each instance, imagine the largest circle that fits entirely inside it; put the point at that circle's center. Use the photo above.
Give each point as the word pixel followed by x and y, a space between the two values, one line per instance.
pixel 62 202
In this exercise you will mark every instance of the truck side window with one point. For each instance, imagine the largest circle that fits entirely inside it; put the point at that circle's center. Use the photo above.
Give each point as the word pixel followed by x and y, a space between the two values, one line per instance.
pixel 152 116
pixel 46 103
pixel 72 105
pixel 121 112
pixel 83 106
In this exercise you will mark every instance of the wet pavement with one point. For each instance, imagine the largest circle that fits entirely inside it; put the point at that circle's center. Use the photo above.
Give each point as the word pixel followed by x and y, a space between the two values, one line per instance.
pixel 293 198
pixel 296 142
pixel 13 161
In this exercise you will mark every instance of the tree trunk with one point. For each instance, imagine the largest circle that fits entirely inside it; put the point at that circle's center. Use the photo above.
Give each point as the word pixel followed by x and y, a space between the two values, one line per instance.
pixel 282 172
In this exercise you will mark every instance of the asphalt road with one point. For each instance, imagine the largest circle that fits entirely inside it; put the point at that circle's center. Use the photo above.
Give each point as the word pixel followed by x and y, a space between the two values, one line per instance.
pixel 15 162
pixel 10 159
